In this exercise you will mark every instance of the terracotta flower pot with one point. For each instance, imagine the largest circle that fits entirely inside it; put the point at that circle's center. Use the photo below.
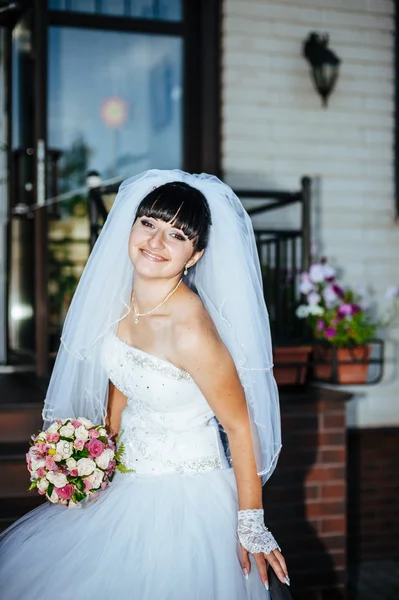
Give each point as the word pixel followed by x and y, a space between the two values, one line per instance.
pixel 291 374
pixel 351 373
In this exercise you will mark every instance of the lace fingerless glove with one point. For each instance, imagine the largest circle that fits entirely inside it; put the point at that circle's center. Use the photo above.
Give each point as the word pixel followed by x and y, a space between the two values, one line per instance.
pixel 254 536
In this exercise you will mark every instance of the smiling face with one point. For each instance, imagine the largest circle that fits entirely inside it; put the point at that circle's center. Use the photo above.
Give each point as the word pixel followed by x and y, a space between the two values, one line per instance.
pixel 158 249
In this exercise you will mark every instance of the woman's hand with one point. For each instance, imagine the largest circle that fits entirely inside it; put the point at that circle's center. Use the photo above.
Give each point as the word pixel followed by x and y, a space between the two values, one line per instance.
pixel 275 560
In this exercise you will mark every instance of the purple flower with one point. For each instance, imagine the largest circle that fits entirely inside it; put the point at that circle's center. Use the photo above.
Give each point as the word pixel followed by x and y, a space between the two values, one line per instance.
pixel 316 273
pixel 344 310
pixel 330 297
pixel 356 309
pixel 313 298
pixel 329 272
pixel 338 290
pixel 330 332
pixel 320 325
pixel 306 285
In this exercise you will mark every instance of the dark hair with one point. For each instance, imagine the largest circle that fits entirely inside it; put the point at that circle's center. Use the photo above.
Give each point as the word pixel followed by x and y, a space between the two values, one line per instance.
pixel 182 205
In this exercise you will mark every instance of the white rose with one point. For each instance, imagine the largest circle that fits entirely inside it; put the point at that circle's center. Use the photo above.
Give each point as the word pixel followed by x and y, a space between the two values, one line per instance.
pixel 103 432
pixel 53 428
pixel 96 478
pixel 54 497
pixel 81 433
pixel 67 430
pixel 42 484
pixel 37 463
pixel 105 458
pixel 86 422
pixel 85 466
pixel 57 479
pixel 41 436
pixel 57 457
pixel 71 464
pixel 64 448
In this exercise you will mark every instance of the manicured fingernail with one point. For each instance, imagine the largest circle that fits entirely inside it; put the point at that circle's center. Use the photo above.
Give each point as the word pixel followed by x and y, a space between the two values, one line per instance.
pixel 267 585
pixel 245 573
pixel 287 580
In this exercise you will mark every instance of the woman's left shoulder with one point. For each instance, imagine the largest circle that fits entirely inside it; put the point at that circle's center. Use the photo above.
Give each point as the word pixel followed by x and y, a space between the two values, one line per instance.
pixel 194 329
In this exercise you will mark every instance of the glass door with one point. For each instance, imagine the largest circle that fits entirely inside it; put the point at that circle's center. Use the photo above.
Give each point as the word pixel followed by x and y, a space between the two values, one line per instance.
pixel 114 107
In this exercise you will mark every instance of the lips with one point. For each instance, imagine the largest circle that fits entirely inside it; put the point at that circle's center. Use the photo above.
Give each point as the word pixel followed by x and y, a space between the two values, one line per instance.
pixel 151 256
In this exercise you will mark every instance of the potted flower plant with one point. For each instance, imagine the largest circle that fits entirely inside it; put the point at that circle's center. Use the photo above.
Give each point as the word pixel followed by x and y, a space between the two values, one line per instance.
pixel 341 323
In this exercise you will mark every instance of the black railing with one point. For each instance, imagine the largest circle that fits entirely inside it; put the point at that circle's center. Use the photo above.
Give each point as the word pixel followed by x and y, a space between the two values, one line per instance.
pixel 283 253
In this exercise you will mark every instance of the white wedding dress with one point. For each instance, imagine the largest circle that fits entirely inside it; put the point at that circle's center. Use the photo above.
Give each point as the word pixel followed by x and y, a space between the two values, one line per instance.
pixel 167 531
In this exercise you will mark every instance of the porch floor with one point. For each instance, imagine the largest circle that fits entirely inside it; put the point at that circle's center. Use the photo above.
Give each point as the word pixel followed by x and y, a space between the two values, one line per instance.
pixel 374 580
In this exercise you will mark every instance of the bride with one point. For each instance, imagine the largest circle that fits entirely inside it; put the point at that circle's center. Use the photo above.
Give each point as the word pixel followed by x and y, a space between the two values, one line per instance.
pixel 168 341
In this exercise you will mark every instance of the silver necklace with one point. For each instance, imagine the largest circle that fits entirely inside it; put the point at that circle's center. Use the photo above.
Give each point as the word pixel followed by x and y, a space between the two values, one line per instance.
pixel 138 314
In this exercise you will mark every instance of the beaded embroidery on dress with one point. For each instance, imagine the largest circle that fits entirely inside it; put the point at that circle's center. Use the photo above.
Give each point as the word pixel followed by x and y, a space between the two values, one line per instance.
pixel 168 426
pixel 168 531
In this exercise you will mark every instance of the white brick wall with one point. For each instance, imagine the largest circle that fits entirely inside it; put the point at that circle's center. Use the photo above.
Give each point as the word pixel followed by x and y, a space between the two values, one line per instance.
pixel 275 131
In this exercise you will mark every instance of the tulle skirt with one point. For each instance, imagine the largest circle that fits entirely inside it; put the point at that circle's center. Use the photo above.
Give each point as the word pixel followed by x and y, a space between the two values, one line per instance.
pixel 168 537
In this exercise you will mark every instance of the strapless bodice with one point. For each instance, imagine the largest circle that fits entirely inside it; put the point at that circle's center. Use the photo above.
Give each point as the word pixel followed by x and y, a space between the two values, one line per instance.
pixel 167 425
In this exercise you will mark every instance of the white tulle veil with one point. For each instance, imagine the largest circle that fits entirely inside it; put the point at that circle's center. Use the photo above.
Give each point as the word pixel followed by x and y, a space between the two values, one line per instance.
pixel 228 280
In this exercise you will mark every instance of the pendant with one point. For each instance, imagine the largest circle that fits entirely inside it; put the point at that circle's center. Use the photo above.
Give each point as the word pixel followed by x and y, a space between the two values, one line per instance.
pixel 136 320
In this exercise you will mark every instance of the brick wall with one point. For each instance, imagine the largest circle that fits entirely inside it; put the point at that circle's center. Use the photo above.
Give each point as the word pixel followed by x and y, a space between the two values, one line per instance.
pixel 305 500
pixel 373 494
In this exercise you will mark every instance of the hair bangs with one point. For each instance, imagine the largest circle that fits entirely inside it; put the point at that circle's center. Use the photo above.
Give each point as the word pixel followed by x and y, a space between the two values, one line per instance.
pixel 181 205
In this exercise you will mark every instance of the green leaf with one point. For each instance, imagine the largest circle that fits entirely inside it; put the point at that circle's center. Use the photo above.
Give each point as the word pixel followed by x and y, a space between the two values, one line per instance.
pixel 79 496
pixel 80 485
pixel 50 489
pixel 123 469
pixel 33 485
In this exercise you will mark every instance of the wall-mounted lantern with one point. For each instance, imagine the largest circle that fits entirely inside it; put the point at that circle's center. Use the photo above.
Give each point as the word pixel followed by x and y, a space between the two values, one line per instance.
pixel 324 64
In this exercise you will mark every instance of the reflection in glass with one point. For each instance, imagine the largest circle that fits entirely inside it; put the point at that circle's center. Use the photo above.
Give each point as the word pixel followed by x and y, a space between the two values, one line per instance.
pixel 167 10
pixel 115 106
pixel 117 109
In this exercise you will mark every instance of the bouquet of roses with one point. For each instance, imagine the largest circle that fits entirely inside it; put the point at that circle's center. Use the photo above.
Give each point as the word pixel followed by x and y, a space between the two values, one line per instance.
pixel 72 460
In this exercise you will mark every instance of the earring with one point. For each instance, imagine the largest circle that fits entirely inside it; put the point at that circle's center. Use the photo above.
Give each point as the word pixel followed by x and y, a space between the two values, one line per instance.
pixel 185 270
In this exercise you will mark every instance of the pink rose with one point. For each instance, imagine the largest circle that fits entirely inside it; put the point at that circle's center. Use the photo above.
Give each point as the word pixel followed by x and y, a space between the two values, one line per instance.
pixel 79 444
pixel 64 492
pixel 74 473
pixel 41 446
pixel 93 433
pixel 41 492
pixel 95 447
pixel 41 473
pixel 50 463
pixel 52 438
pixel 76 423
pixel 87 483
pixel 104 485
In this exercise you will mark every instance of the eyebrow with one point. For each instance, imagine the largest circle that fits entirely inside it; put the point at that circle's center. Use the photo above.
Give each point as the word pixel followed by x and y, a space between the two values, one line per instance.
pixel 173 227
